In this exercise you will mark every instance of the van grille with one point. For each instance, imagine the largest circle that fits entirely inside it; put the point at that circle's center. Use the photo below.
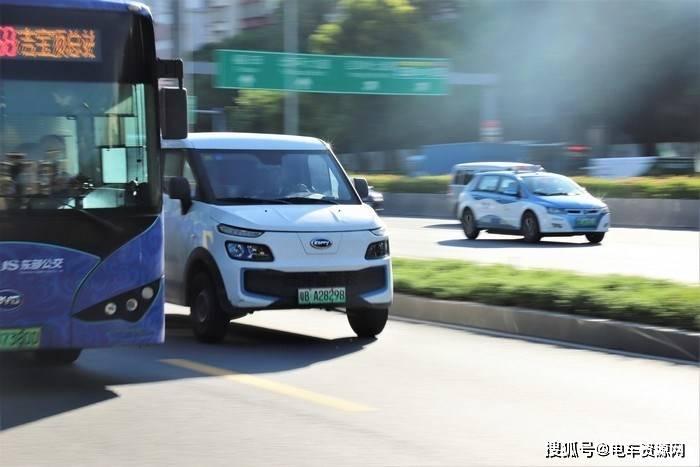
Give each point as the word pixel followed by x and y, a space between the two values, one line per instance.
pixel 286 284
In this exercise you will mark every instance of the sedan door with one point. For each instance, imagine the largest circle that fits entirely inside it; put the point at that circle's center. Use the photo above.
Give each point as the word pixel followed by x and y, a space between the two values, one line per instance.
pixel 485 204
pixel 509 202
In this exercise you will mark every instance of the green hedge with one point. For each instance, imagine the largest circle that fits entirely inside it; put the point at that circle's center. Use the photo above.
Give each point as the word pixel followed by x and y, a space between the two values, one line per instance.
pixel 678 187
pixel 624 298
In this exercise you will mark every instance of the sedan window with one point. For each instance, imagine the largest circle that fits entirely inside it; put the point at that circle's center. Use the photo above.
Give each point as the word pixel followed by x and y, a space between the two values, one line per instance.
pixel 509 186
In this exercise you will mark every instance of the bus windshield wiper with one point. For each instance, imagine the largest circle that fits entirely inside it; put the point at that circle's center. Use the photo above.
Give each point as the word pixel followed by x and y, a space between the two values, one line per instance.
pixel 96 218
pixel 251 200
pixel 305 200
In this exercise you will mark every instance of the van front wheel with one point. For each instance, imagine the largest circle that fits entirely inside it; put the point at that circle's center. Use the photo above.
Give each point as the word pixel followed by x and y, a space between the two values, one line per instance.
pixel 209 322
pixel 367 322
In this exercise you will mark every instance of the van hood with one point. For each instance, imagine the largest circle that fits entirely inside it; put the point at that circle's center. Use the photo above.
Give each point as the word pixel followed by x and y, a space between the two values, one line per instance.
pixel 298 217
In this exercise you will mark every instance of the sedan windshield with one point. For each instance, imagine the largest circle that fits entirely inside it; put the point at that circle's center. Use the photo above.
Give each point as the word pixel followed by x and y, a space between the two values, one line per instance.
pixel 276 176
pixel 552 185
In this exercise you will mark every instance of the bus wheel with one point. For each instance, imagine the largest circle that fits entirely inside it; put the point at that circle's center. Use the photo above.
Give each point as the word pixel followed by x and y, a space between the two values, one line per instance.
pixel 209 323
pixel 57 356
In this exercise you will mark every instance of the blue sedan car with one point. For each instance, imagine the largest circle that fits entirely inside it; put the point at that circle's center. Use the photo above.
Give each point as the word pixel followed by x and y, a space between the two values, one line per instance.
pixel 531 204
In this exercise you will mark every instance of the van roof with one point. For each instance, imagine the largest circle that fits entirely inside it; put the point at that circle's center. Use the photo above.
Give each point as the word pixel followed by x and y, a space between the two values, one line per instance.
pixel 227 140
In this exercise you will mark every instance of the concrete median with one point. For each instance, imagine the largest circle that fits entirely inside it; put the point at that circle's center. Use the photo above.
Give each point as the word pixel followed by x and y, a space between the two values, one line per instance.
pixel 632 212
pixel 595 332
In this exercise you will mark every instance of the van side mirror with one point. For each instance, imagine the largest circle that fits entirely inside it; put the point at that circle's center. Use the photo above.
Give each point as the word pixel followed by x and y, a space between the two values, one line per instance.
pixel 173 113
pixel 362 187
pixel 179 188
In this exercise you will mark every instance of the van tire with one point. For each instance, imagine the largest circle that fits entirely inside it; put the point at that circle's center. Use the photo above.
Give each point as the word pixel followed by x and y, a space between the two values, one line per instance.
pixel 469 224
pixel 530 227
pixel 209 322
pixel 57 356
pixel 367 322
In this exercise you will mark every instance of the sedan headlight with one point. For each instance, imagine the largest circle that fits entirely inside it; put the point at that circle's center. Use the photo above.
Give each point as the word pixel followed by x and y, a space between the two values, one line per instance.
pixel 556 211
pixel 238 232
pixel 248 251
pixel 605 209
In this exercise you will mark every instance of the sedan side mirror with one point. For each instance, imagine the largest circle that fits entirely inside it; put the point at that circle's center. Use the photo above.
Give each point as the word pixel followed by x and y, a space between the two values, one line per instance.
pixel 179 188
pixel 362 187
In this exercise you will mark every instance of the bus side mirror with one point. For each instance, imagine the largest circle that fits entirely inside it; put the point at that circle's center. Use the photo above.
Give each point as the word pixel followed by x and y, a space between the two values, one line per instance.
pixel 362 187
pixel 173 113
pixel 179 188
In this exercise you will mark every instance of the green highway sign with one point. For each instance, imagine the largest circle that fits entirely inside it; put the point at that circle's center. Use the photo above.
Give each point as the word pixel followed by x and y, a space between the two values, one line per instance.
pixel 343 74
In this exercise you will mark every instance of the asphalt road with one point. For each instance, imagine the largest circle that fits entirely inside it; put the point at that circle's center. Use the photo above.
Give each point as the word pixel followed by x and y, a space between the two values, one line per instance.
pixel 294 388
pixel 662 254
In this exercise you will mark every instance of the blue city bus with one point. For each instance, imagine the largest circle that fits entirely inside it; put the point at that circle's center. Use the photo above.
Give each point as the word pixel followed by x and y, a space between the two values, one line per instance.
pixel 81 233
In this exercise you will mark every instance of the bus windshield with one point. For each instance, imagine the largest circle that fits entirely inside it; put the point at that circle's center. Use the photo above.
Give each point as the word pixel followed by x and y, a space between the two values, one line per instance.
pixel 77 124
pixel 66 143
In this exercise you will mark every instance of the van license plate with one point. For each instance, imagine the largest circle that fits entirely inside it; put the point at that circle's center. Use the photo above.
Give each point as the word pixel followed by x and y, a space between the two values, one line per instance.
pixel 16 339
pixel 322 296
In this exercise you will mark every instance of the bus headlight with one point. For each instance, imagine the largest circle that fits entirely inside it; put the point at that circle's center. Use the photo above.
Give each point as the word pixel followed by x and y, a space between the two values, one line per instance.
pixel 129 306
pixel 132 304
pixel 110 309
pixel 147 293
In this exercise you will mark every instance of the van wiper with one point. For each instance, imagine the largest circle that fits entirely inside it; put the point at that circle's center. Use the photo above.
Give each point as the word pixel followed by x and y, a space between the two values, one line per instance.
pixel 251 200
pixel 304 200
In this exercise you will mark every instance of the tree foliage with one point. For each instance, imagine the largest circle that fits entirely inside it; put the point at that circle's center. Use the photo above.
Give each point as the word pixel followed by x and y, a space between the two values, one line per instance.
pixel 563 67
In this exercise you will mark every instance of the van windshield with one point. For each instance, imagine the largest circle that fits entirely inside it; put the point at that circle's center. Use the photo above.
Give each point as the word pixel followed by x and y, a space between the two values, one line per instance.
pixel 276 176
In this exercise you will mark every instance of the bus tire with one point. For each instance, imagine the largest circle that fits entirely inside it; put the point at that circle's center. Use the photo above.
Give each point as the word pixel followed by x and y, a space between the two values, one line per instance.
pixel 367 322
pixel 57 356
pixel 209 322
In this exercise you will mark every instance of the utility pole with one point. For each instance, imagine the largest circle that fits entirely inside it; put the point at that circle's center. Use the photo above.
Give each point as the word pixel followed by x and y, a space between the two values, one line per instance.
pixel 291 45
pixel 179 33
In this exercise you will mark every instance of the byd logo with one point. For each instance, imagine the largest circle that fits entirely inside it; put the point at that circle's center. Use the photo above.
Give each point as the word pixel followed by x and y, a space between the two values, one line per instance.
pixel 10 299
pixel 321 243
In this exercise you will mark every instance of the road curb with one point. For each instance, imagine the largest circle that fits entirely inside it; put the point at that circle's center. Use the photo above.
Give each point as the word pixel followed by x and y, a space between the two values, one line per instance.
pixel 595 332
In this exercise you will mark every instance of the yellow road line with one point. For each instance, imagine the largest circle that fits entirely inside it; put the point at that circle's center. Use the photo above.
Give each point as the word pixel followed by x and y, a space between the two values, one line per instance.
pixel 269 385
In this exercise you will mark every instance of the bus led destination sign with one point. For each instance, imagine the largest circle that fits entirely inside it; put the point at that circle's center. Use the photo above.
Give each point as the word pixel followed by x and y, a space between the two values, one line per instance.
pixel 22 42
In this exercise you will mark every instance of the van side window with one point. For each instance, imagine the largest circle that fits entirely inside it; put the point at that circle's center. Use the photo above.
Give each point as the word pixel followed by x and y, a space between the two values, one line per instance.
pixel 172 166
pixel 488 183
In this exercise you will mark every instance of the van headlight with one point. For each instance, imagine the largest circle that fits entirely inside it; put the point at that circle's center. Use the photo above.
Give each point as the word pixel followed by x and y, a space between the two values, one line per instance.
pixel 377 250
pixel 248 251
pixel 238 232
